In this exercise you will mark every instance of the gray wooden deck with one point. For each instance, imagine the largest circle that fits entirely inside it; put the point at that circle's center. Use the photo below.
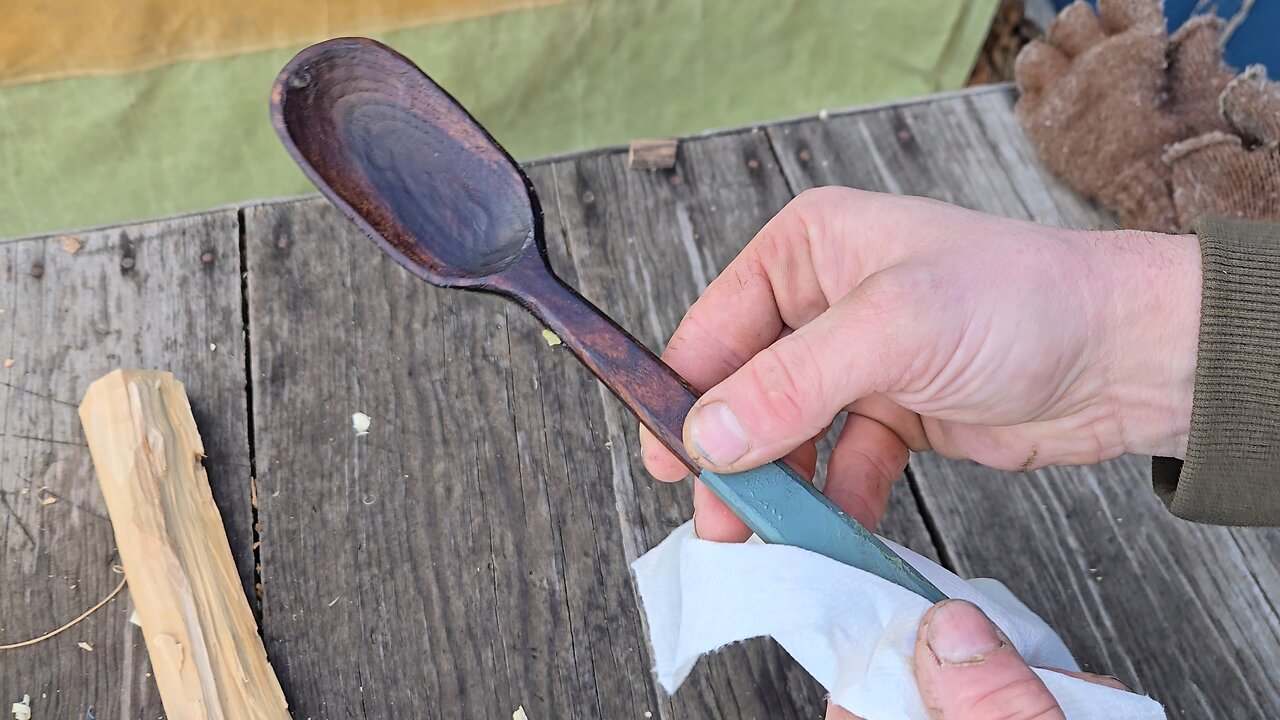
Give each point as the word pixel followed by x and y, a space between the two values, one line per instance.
pixel 470 554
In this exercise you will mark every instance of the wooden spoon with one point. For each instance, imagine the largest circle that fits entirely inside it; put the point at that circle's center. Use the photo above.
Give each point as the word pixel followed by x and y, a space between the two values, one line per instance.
pixel 401 158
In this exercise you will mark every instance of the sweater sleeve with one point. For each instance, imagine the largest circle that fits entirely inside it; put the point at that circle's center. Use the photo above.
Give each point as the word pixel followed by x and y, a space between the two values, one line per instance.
pixel 1231 474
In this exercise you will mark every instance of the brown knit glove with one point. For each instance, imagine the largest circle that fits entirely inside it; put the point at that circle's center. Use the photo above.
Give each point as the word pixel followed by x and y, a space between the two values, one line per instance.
pixel 1106 93
pixel 1235 173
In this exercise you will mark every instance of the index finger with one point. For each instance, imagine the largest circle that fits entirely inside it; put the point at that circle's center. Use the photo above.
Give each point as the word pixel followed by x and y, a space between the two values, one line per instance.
pixel 815 251
pixel 772 285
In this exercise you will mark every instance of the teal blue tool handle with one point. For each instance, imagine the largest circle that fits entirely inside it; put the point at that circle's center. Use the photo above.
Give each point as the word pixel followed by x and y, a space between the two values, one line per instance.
pixel 781 507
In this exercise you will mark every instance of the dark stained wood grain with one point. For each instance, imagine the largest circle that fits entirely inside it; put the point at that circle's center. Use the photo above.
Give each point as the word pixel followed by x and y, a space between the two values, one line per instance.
pixel 404 161
pixel 154 295
pixel 1180 610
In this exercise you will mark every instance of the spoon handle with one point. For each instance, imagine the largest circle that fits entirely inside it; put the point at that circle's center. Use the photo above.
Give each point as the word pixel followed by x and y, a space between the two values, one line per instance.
pixel 653 392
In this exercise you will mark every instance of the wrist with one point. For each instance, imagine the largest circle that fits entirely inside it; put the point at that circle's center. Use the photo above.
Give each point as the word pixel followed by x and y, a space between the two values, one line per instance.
pixel 1152 334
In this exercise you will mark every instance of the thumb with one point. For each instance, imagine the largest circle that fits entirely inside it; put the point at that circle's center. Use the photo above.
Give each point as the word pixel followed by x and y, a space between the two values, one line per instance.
pixel 967 669
pixel 791 390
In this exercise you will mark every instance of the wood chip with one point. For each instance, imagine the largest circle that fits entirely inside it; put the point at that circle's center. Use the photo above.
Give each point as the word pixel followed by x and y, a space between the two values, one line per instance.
pixel 70 244
pixel 652 154
pixel 84 646
pixel 360 423
pixel 551 338
pixel 48 500
pixel 22 710
pixel 9 362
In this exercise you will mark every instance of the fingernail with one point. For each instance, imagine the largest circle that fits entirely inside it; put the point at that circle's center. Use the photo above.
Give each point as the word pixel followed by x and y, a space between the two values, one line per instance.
pixel 717 435
pixel 959 634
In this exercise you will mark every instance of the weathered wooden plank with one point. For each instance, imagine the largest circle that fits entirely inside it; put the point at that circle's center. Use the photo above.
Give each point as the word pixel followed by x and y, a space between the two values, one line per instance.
pixel 1176 608
pixel 463 557
pixel 157 295
pixel 643 246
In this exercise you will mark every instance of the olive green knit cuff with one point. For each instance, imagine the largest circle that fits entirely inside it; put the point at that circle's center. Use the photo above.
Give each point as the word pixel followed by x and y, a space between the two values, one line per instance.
pixel 1231 475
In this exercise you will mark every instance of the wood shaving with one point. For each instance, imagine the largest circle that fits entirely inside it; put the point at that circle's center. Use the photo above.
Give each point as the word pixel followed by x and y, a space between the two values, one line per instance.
pixel 71 244
pixel 9 362
pixel 49 500
pixel 652 155
pixel 551 338
pixel 22 710
pixel 84 646
pixel 519 714
pixel 360 423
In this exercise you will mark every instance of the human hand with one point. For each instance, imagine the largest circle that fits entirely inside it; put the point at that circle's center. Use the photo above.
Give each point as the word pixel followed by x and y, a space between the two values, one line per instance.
pixel 1013 344
pixel 967 669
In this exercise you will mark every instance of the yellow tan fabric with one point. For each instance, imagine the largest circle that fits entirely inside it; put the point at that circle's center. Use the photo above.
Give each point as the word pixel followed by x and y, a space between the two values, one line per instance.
pixel 51 39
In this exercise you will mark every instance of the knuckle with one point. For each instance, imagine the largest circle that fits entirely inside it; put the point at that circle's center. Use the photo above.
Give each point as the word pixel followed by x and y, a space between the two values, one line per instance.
pixel 786 382
pixel 1022 698
pixel 826 195
pixel 883 468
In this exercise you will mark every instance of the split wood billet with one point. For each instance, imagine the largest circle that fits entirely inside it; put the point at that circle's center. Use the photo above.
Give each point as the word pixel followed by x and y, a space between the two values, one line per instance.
pixel 209 661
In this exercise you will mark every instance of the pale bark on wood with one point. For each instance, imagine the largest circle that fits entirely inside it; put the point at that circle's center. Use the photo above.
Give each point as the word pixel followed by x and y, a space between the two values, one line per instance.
pixel 209 661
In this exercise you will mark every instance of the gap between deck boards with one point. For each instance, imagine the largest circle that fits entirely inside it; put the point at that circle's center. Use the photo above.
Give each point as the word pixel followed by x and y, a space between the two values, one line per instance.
pixel 256 530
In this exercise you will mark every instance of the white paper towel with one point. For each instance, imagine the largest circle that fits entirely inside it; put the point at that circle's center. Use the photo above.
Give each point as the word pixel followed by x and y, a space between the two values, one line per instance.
pixel 854 632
